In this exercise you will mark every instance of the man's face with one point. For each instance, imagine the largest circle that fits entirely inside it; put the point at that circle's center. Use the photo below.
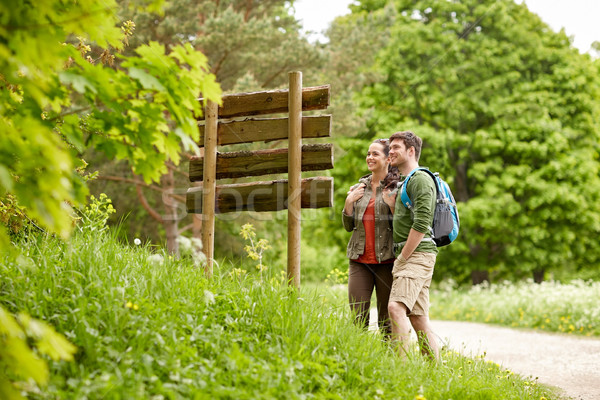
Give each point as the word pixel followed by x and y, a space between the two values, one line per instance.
pixel 398 153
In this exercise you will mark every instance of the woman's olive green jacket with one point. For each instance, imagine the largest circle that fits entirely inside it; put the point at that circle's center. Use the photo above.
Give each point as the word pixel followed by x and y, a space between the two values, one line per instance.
pixel 384 247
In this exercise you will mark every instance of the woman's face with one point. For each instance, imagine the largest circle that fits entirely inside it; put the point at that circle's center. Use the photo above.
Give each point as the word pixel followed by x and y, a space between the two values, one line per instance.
pixel 376 158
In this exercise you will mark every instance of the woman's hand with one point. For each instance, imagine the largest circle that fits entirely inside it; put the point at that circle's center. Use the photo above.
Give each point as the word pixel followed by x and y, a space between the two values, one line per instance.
pixel 355 193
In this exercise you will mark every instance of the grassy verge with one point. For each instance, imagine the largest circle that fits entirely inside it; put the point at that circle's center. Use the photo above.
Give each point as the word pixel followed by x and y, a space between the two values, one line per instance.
pixel 147 329
pixel 550 306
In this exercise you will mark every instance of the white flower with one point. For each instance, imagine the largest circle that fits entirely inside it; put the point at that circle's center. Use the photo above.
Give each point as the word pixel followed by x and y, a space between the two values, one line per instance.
pixel 200 258
pixel 137 241
pixel 197 242
pixel 156 259
pixel 185 245
pixel 209 297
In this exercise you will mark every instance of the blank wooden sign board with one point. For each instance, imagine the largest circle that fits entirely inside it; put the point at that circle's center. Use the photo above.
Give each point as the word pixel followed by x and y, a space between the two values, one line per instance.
pixel 293 193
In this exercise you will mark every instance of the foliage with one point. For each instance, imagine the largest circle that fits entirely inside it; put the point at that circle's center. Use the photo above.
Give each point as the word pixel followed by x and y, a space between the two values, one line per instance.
pixel 57 97
pixel 250 45
pixel 22 341
pixel 146 331
pixel 549 306
pixel 507 112
pixel 13 216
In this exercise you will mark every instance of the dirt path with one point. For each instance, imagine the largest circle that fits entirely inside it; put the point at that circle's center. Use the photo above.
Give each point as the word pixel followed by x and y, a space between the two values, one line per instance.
pixel 569 362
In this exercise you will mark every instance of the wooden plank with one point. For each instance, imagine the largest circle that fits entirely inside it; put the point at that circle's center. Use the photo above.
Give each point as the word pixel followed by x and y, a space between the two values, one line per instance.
pixel 267 129
pixel 237 164
pixel 271 102
pixel 317 192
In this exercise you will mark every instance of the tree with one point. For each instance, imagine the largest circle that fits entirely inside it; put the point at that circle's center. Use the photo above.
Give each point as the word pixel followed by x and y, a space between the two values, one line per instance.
pixel 506 107
pixel 58 98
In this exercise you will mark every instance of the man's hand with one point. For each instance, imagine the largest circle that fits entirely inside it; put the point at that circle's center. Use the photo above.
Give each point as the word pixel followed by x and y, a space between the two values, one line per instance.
pixel 389 197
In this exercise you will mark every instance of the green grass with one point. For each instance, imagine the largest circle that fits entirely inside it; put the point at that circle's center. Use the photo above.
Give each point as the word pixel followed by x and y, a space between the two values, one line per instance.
pixel 550 306
pixel 150 331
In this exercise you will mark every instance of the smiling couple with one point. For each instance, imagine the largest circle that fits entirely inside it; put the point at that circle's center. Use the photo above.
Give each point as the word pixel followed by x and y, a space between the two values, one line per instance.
pixel 391 249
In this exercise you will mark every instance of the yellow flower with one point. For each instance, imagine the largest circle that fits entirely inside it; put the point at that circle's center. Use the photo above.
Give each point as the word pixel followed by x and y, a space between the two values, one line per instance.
pixel 247 231
pixel 263 244
pixel 135 307
pixel 129 304
pixel 420 397
pixel 261 267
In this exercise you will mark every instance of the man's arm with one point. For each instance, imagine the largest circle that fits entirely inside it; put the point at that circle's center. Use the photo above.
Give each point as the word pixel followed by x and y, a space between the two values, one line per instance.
pixel 423 194
pixel 414 238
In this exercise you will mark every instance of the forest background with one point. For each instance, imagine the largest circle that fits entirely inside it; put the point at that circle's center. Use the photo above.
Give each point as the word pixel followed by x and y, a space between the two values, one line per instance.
pixel 507 107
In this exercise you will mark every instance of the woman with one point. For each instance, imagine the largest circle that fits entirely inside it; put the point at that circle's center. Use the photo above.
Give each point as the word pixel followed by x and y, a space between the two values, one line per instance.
pixel 368 215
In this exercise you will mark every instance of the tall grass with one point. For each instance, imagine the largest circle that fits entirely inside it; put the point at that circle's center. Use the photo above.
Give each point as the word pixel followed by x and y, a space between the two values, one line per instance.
pixel 146 330
pixel 550 306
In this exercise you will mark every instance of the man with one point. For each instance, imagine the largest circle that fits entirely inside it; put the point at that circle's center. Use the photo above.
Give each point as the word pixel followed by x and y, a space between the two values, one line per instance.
pixel 415 250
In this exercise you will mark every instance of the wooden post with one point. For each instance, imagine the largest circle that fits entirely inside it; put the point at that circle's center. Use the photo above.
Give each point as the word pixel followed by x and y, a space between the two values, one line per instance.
pixel 209 184
pixel 294 176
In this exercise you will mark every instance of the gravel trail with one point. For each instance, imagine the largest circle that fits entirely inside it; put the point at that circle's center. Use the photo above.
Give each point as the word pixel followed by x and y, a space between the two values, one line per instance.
pixel 571 363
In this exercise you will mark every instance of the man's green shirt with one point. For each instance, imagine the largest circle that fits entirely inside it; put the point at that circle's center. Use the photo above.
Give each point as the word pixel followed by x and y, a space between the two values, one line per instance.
pixel 421 190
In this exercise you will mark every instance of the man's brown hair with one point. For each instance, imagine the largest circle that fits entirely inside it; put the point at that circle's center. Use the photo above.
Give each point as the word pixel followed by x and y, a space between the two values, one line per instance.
pixel 410 140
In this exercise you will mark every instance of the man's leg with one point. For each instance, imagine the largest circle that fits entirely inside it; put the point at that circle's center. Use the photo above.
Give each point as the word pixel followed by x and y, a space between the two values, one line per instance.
pixel 410 291
pixel 427 341
pixel 400 327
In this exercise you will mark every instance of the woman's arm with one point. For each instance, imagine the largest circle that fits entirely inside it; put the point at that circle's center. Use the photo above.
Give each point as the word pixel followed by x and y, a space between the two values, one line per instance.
pixel 354 194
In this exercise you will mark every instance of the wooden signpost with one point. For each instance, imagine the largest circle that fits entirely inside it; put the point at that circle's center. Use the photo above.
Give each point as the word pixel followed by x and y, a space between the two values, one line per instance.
pixel 292 194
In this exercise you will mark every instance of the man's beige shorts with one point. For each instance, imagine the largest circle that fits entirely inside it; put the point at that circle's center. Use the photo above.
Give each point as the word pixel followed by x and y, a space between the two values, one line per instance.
pixel 412 278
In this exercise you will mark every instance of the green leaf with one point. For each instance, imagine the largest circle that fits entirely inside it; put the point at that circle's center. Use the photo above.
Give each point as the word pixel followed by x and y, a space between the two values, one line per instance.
pixel 146 80
pixel 80 83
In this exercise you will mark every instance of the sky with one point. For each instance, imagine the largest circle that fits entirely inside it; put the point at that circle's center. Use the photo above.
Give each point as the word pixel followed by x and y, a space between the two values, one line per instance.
pixel 580 18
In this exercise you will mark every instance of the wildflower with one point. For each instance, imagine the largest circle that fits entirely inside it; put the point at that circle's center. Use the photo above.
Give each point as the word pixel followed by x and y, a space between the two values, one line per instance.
pixel 209 297
pixel 129 304
pixel 261 267
pixel 137 241
pixel 263 244
pixel 185 244
pixel 420 397
pixel 197 243
pixel 247 231
pixel 236 272
pixel 200 258
pixel 156 259
pixel 136 307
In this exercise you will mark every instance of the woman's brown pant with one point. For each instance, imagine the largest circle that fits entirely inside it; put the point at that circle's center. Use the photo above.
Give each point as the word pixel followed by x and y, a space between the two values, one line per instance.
pixel 362 279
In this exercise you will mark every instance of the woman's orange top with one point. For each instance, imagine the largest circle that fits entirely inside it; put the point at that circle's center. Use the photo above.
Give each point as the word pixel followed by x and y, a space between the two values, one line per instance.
pixel 369 256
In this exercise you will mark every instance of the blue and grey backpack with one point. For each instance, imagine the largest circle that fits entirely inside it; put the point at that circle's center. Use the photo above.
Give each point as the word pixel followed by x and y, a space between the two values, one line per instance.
pixel 445 218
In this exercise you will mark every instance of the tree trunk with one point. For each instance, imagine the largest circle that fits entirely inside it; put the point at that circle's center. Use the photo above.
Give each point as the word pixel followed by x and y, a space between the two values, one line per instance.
pixel 478 277
pixel 538 275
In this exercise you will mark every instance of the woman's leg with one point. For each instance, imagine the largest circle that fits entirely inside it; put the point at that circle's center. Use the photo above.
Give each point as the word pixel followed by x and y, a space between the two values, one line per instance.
pixel 360 289
pixel 383 285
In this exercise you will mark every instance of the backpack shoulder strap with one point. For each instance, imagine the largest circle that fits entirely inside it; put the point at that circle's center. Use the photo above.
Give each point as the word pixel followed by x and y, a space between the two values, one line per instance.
pixel 406 201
